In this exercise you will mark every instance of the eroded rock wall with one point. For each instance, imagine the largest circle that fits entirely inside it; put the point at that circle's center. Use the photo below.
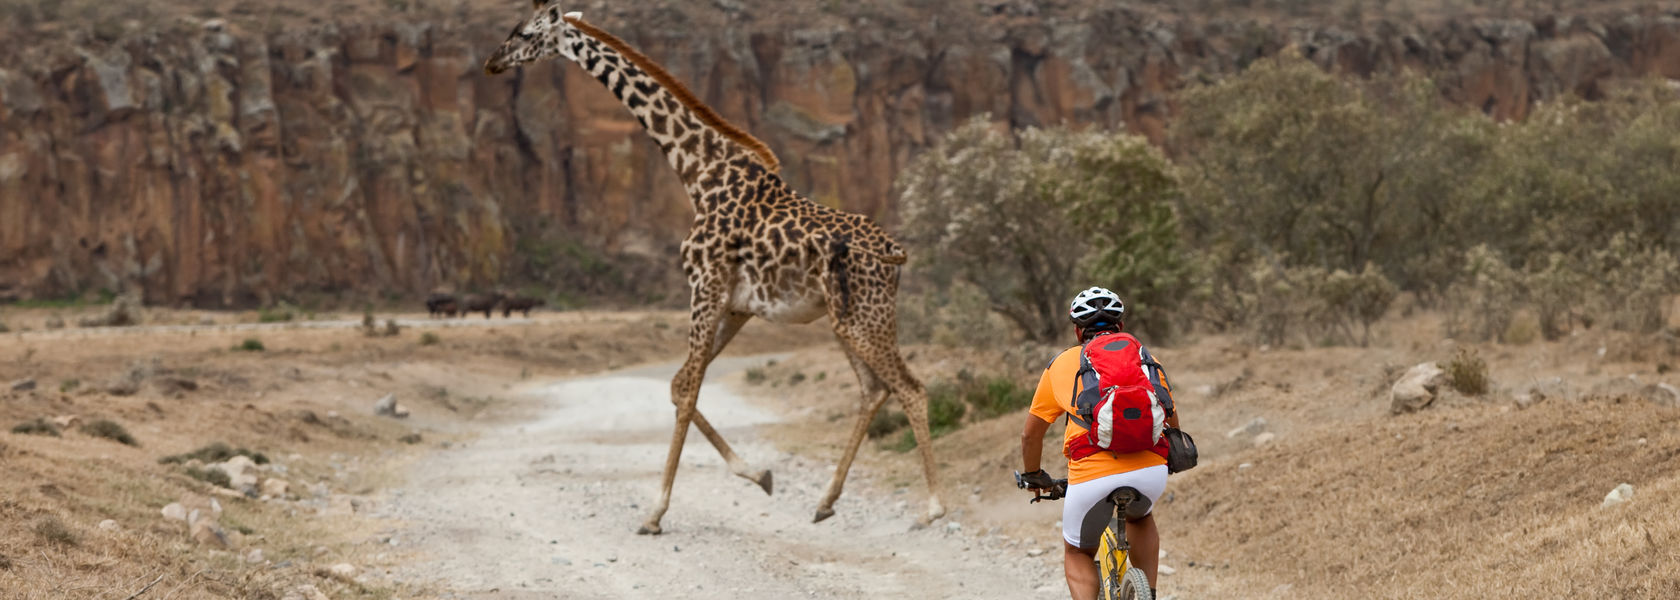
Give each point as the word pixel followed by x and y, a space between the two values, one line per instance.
pixel 206 163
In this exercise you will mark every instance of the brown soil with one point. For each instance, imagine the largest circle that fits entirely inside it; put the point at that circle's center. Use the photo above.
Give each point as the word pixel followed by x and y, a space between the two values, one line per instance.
pixel 1474 497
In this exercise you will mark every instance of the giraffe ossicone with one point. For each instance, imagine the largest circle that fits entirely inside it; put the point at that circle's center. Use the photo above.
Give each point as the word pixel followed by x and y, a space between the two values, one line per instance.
pixel 757 248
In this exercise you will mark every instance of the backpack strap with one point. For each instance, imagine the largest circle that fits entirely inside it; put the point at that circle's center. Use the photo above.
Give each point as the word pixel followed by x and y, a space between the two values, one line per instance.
pixel 1158 379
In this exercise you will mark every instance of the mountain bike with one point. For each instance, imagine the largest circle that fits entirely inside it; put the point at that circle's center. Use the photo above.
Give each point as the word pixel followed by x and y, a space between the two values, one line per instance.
pixel 1118 578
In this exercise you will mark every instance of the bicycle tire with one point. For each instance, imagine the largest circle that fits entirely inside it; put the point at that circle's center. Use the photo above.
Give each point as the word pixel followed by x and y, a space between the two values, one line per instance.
pixel 1135 586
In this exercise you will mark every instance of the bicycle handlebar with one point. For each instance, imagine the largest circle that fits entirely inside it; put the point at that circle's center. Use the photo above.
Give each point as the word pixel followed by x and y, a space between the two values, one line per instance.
pixel 1058 489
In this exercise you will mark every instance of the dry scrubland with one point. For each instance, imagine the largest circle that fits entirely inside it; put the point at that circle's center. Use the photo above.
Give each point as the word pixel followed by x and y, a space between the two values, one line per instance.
pixel 1494 495
pixel 1476 496
pixel 305 401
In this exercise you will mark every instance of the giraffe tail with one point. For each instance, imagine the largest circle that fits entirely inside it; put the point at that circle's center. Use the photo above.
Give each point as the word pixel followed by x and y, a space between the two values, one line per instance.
pixel 841 249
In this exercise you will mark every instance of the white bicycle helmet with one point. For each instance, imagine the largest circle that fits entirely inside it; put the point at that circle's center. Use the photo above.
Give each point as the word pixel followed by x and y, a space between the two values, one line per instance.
pixel 1096 306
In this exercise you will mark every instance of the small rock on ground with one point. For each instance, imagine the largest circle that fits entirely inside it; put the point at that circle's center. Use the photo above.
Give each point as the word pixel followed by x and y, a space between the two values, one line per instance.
pixel 345 570
pixel 389 407
pixel 175 512
pixel 1622 493
pixel 23 385
pixel 109 525
pixel 1264 438
pixel 1251 428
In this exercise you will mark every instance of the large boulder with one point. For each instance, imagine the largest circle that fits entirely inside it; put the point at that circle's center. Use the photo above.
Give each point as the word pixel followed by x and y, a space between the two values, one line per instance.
pixel 1417 388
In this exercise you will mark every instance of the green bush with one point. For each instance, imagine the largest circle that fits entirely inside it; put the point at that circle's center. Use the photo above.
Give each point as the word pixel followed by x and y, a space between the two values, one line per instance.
pixel 250 345
pixel 1026 220
pixel 216 477
pixel 110 430
pixel 36 427
pixel 885 422
pixel 275 314
pixel 1000 396
pixel 1485 299
pixel 214 452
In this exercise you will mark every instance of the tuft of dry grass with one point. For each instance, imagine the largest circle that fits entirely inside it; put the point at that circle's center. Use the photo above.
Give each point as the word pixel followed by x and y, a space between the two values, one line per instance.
pixel 110 430
pixel 1468 373
pixel 53 532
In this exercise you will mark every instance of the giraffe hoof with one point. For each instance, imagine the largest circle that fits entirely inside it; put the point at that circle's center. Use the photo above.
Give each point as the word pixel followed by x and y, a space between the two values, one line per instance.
pixel 649 529
pixel 822 514
pixel 765 481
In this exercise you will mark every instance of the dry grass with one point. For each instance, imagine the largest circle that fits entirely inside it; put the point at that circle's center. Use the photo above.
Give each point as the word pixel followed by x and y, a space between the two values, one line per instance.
pixel 1468 373
pixel 280 401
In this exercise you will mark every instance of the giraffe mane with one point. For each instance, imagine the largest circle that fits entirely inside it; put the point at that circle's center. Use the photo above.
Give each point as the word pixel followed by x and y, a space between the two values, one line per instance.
pixel 682 93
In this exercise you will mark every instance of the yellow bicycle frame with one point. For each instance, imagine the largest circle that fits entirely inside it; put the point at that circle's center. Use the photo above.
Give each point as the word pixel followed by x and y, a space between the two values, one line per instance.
pixel 1112 561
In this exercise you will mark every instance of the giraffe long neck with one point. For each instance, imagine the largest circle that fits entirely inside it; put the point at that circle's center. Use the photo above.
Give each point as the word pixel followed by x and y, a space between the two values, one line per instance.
pixel 696 141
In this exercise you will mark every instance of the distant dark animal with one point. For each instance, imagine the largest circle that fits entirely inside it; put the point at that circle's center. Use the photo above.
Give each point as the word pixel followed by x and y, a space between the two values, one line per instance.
pixel 442 304
pixel 522 304
pixel 484 303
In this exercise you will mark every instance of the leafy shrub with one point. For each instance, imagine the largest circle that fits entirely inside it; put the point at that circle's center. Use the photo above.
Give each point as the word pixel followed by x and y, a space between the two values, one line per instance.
pixel 1468 373
pixel 275 314
pixel 110 430
pixel 999 396
pixel 757 376
pixel 214 452
pixel 1355 301
pixel 1485 299
pixel 886 422
pixel 429 339
pixel 1024 220
pixel 69 385
pixel 250 345
pixel 36 427
pixel 1634 285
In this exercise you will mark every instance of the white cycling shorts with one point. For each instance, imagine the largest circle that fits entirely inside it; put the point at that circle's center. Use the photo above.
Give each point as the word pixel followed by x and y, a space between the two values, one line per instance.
pixel 1086 510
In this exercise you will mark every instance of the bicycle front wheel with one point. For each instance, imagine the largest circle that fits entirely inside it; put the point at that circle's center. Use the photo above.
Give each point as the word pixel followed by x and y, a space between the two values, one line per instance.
pixel 1134 586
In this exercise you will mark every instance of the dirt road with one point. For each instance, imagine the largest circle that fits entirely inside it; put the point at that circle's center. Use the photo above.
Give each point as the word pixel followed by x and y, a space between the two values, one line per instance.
pixel 545 505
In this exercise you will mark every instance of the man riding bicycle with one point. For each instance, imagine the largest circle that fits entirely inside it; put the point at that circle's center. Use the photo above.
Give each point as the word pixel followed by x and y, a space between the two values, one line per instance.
pixel 1092 477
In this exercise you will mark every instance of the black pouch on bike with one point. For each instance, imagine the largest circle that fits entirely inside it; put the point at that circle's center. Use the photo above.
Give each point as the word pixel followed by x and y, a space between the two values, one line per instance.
pixel 1181 450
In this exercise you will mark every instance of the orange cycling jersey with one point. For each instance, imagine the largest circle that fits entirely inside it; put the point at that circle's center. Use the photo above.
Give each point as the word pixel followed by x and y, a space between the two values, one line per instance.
pixel 1054 399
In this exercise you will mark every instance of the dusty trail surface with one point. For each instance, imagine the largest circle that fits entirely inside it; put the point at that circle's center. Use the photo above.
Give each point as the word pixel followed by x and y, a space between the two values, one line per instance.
pixel 546 504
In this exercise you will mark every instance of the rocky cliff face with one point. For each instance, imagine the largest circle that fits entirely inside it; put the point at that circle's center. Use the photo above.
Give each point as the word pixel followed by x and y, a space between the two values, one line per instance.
pixel 209 163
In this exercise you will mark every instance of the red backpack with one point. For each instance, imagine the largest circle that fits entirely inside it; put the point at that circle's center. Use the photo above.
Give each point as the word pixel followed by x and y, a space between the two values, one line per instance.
pixel 1121 398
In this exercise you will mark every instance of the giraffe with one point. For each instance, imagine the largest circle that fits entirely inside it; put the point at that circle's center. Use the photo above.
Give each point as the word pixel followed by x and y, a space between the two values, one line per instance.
pixel 757 248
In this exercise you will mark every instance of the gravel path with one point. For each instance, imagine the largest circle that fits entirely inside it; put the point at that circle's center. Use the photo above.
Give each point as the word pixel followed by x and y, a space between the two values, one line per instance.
pixel 545 505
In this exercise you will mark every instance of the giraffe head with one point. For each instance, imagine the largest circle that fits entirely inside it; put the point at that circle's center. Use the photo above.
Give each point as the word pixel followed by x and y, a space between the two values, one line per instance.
pixel 543 34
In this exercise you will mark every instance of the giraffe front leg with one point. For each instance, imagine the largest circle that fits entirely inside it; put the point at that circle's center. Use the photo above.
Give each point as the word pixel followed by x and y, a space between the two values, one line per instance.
pixel 685 390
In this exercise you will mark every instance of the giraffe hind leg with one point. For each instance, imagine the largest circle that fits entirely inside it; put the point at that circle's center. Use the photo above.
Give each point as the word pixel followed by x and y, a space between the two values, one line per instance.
pixel 877 349
pixel 874 395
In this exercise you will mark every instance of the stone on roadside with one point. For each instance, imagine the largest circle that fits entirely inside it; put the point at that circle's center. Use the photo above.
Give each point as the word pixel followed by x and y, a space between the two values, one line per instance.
pixel 1250 428
pixel 67 421
pixel 109 525
pixel 276 488
pixel 207 532
pixel 344 570
pixel 175 512
pixel 23 385
pixel 1661 394
pixel 1416 389
pixel 1164 570
pixel 1264 438
pixel 389 407
pixel 305 592
pixel 255 556
pixel 1035 552
pixel 1622 493
pixel 953 527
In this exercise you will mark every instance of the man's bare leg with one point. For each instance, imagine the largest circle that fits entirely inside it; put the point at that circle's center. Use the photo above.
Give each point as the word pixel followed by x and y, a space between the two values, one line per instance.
pixel 1081 571
pixel 1146 545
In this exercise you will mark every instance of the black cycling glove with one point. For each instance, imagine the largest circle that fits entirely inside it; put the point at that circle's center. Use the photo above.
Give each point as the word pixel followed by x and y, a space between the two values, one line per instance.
pixel 1038 480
